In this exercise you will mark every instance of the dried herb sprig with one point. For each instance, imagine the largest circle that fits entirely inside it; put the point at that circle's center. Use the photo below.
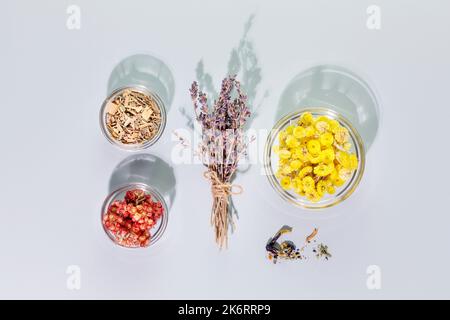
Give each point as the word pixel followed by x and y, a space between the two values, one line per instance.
pixel 322 251
pixel 222 145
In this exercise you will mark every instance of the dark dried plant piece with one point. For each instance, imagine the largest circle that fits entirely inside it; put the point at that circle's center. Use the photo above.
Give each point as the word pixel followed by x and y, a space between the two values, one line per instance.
pixel 133 117
pixel 286 250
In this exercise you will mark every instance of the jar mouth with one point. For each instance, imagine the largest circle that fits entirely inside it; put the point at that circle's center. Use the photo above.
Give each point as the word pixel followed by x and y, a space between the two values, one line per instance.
pixel 156 232
pixel 137 146
pixel 343 192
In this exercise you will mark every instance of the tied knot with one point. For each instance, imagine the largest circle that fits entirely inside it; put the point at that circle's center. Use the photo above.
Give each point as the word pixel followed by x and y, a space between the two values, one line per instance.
pixel 222 189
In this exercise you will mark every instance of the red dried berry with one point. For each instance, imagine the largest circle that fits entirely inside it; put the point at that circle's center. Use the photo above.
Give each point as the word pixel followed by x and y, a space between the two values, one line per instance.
pixel 129 221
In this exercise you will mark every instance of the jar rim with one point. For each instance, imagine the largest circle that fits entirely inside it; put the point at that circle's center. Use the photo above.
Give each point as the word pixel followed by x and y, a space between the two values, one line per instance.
pixel 148 189
pixel 346 190
pixel 138 146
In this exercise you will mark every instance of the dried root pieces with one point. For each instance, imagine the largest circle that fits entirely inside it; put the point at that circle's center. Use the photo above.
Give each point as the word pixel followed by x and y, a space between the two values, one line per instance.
pixel 133 117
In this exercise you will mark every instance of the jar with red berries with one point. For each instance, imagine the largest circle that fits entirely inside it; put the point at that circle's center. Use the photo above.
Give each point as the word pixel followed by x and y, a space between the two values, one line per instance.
pixel 134 216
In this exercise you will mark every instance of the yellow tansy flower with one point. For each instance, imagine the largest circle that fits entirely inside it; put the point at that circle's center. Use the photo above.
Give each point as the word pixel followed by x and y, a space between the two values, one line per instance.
pixel 310 131
pixel 283 162
pixel 299 132
pixel 281 137
pixel 338 182
pixel 286 169
pixel 315 160
pixel 308 183
pixel 326 139
pixel 334 174
pixel 296 154
pixel 347 146
pixel 284 154
pixel 334 125
pixel 321 188
pixel 345 174
pixel 289 129
pixel 306 118
pixel 312 195
pixel 322 170
pixel 331 189
pixel 295 164
pixel 286 183
pixel 341 135
pixel 353 159
pixel 291 142
pixel 306 170
pixel 343 159
pixel 297 185
pixel 322 118
pixel 322 126
pixel 313 146
pixel 328 155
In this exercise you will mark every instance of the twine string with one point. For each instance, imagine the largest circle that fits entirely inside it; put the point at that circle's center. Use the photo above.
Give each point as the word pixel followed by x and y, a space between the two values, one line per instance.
pixel 219 215
pixel 222 189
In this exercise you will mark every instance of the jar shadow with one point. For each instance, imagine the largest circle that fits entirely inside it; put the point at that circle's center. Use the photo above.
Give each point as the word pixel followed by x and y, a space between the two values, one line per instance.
pixel 338 89
pixel 144 70
pixel 245 64
pixel 148 169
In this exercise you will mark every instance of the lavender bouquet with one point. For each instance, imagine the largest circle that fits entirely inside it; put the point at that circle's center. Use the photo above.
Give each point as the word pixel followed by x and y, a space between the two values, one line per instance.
pixel 222 145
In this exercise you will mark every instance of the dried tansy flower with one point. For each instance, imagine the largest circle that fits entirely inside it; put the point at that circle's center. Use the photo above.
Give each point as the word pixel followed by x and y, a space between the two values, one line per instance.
pixel 132 117
pixel 314 157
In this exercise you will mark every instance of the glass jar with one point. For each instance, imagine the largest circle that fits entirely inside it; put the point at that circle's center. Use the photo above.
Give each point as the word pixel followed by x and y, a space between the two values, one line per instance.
pixel 157 231
pixel 139 146
pixel 271 160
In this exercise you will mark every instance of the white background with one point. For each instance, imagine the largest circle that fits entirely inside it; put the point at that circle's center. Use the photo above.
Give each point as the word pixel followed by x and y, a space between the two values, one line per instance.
pixel 55 165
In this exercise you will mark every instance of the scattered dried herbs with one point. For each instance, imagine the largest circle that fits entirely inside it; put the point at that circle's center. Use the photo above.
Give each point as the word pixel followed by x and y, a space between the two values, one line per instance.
pixel 222 145
pixel 133 117
pixel 322 251
pixel 287 250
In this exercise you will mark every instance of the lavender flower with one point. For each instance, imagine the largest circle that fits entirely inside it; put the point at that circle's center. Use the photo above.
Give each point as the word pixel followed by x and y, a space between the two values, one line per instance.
pixel 222 145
